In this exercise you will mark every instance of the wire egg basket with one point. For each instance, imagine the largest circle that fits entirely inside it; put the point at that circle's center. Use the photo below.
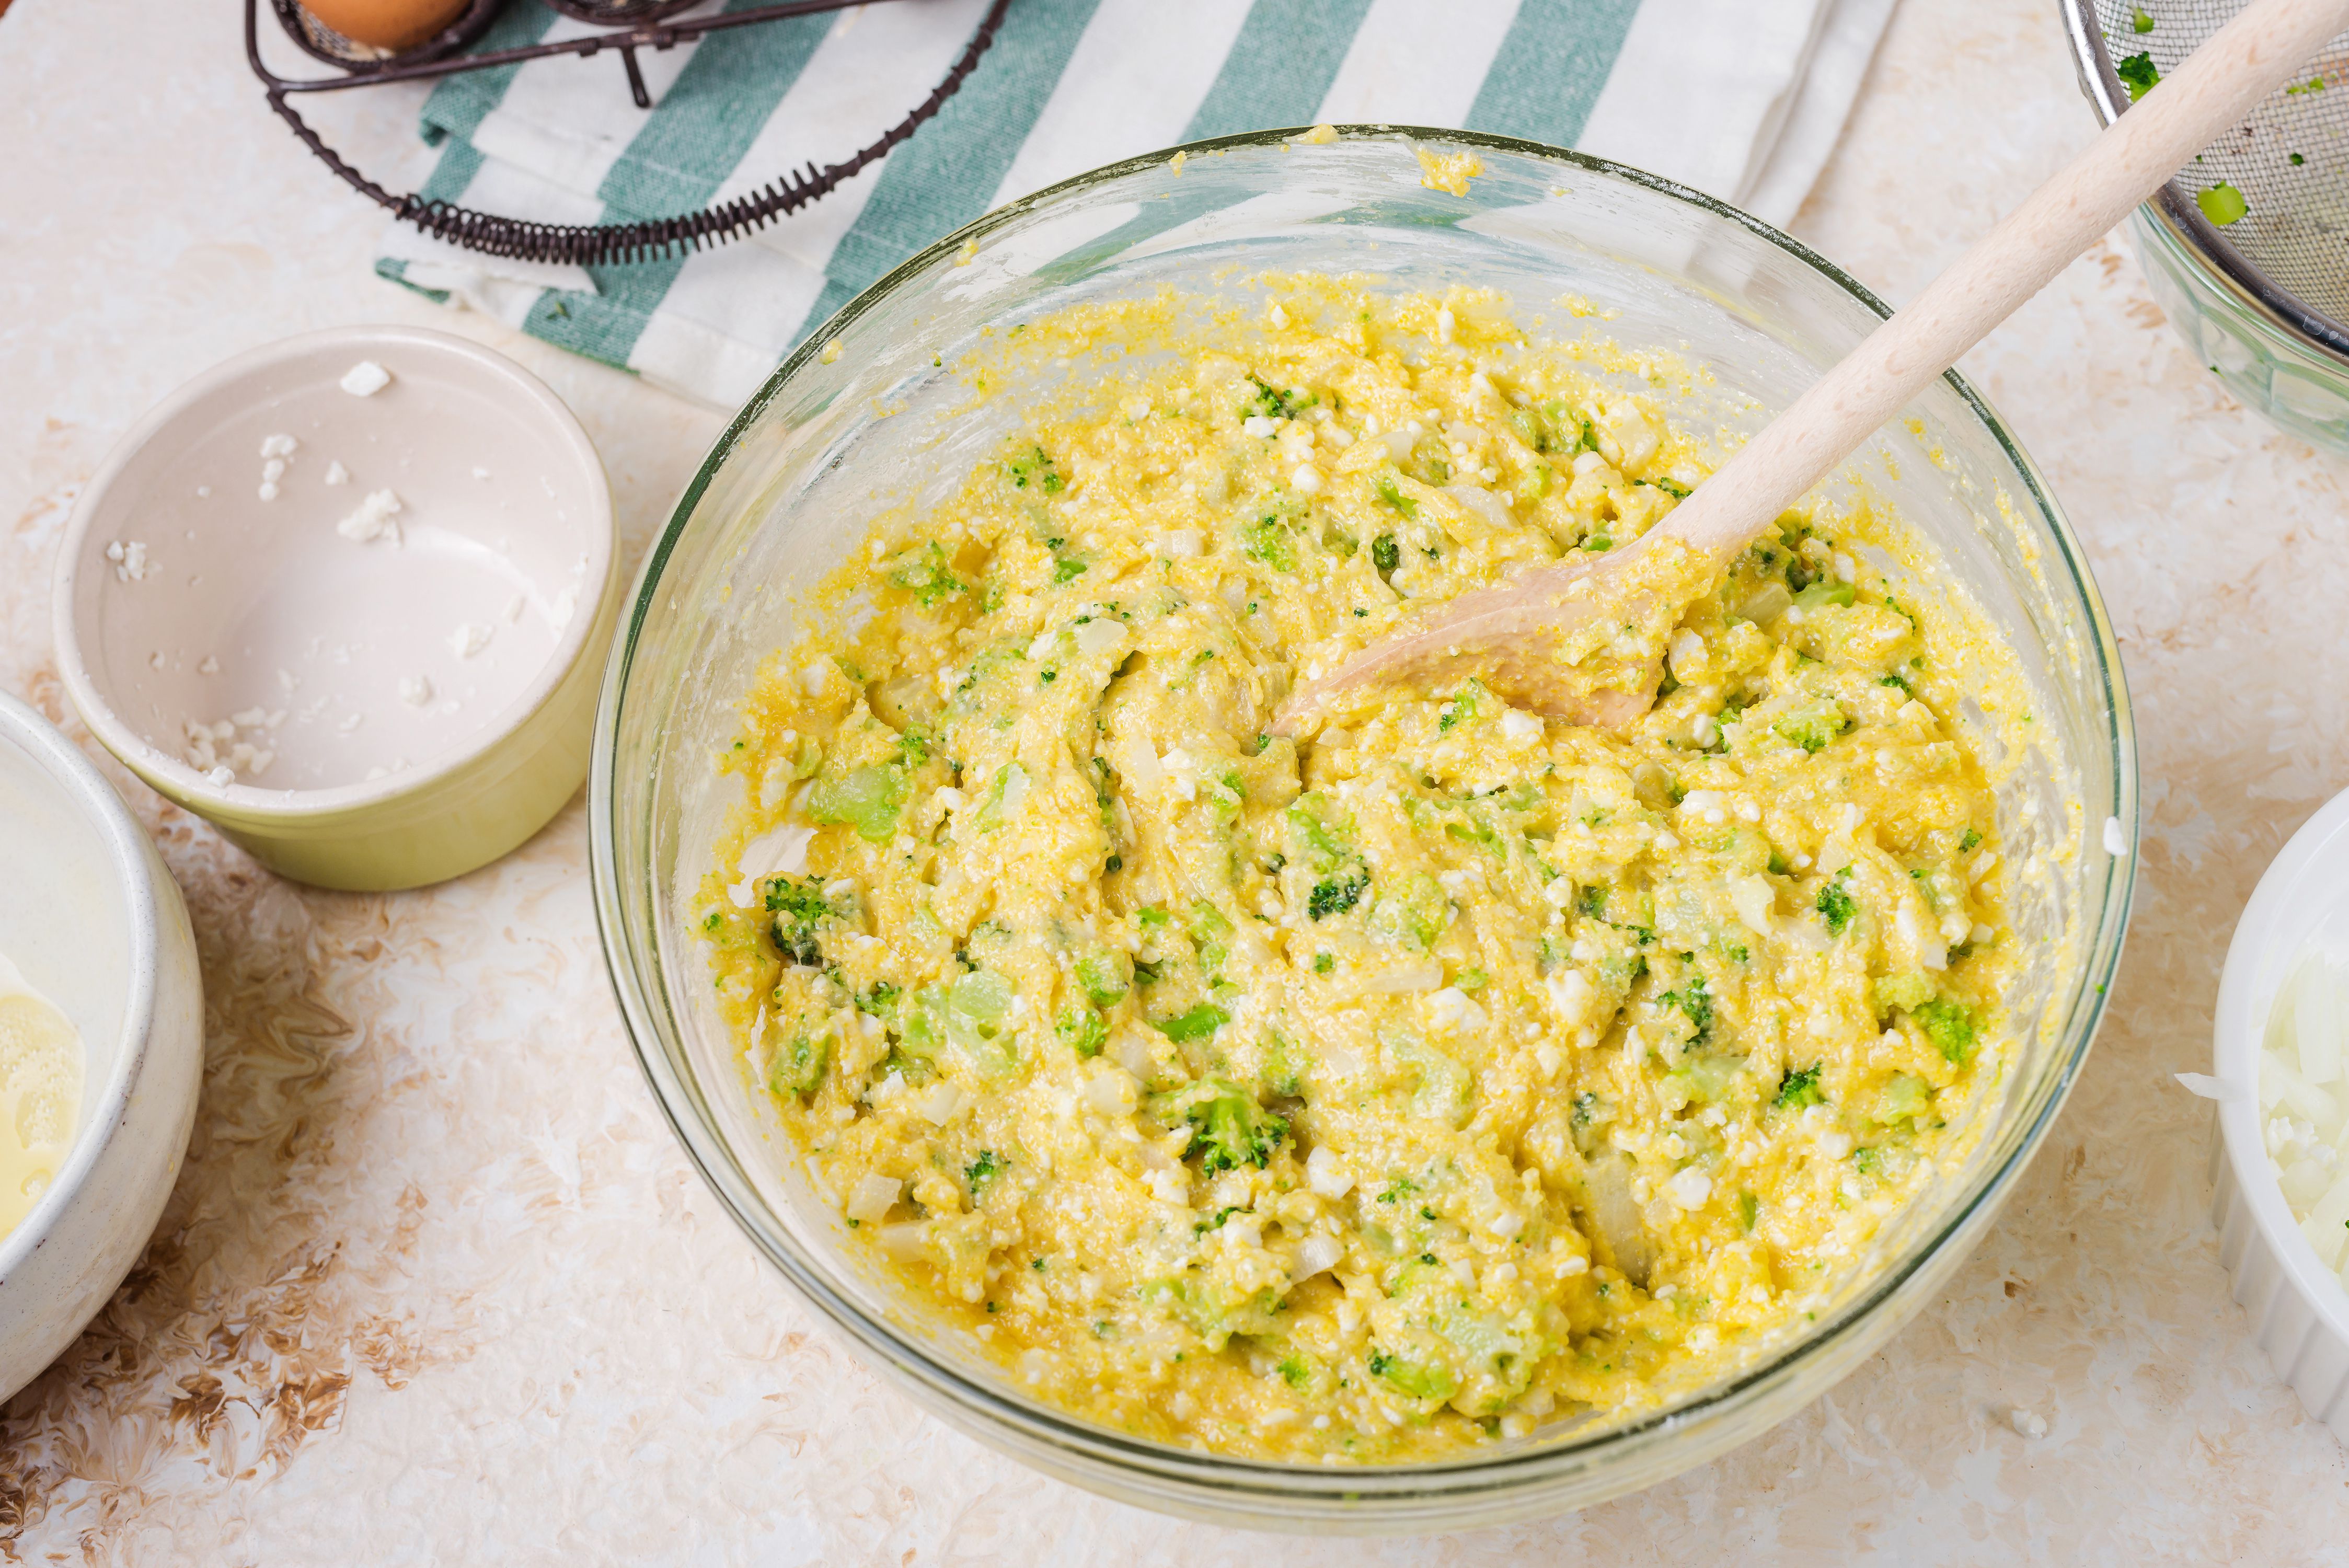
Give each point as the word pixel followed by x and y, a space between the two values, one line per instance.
pixel 628 29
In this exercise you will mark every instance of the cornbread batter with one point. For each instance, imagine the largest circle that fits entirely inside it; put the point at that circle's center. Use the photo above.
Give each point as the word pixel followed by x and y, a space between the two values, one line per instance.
pixel 1440 1073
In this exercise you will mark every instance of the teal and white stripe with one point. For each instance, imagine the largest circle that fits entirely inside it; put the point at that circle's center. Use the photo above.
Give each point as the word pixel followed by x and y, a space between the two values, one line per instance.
pixel 1741 98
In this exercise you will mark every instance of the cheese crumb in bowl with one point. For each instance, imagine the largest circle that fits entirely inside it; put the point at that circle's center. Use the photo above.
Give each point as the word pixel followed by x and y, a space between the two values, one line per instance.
pixel 365 379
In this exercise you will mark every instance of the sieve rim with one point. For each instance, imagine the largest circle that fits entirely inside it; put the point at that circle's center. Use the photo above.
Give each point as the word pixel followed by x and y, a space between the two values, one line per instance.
pixel 2101 86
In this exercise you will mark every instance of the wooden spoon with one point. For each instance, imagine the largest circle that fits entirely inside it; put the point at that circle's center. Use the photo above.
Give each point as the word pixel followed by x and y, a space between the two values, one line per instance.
pixel 1582 640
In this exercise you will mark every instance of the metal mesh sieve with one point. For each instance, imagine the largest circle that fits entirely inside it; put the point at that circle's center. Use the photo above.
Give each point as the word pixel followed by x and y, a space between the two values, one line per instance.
pixel 2288 252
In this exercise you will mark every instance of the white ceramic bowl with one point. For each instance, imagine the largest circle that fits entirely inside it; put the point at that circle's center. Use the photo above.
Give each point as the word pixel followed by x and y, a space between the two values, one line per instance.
pixel 2298 1309
pixel 95 923
pixel 396 709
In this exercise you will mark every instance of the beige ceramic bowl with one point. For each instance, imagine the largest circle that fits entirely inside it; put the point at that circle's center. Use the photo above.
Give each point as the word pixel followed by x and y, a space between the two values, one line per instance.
pixel 361 697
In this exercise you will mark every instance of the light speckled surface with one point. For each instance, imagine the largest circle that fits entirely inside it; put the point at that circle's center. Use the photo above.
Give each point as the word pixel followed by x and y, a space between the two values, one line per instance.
pixel 437 1284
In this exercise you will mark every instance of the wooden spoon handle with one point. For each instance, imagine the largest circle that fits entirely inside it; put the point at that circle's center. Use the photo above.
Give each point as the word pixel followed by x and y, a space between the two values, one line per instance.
pixel 2239 65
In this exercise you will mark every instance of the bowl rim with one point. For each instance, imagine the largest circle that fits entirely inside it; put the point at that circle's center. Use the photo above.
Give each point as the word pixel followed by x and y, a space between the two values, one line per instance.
pixel 250 804
pixel 1273 1482
pixel 2236 1042
pixel 131 861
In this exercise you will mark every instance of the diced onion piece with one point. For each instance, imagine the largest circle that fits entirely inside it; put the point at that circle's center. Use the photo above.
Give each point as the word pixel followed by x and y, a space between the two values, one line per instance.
pixel 1316 1254
pixel 872 1199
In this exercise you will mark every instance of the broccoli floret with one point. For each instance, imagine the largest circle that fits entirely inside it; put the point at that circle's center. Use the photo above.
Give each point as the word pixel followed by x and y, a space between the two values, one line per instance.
pixel 1594 902
pixel 1695 999
pixel 1800 1087
pixel 2137 74
pixel 1335 895
pixel 1064 569
pixel 1813 725
pixel 981 1172
pixel 1949 1025
pixel 1229 1127
pixel 799 907
pixel 1837 903
pixel 1385 554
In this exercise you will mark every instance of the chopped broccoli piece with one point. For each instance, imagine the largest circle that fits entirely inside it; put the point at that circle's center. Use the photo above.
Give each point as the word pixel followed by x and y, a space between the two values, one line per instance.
pixel 1392 494
pixel 1696 1001
pixel 1800 1088
pixel 1229 1127
pixel 1105 977
pixel 1268 540
pixel 2139 21
pixel 1813 725
pixel 1385 554
pixel 1034 466
pixel 2137 74
pixel 1972 838
pixel 1823 593
pixel 1083 1032
pixel 1748 1208
pixel 1271 403
pixel 981 1172
pixel 926 575
pixel 867 799
pixel 2221 203
pixel 799 907
pixel 1837 903
pixel 1415 1379
pixel 1294 1371
pixel 1197 1023
pixel 1594 902
pixel 797 1067
pixel 1902 991
pixel 1905 1096
pixel 1065 570
pixel 1949 1025
pixel 1005 795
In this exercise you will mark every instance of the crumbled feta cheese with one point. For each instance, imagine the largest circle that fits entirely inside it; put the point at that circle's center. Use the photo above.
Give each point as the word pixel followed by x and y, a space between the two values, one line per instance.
pixel 2116 841
pixel 337 474
pixel 1518 726
pixel 1307 479
pixel 2027 1423
pixel 1689 1189
pixel 471 638
pixel 1180 542
pixel 415 690
pixel 373 519
pixel 366 378
pixel 280 446
pixel 1259 426
pixel 1327 1174
pixel 130 558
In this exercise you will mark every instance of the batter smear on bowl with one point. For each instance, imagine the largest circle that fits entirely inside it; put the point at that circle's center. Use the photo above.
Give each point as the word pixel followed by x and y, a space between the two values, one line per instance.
pixel 1437 1076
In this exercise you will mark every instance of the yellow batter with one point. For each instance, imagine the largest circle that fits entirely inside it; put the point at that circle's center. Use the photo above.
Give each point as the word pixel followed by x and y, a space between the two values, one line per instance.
pixel 40 1093
pixel 1438 1075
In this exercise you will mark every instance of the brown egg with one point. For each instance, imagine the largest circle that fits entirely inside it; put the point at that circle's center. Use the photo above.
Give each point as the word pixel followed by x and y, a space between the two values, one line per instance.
pixel 392 24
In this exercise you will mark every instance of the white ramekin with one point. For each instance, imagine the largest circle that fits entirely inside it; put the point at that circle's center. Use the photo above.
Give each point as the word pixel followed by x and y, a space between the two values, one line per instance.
pixel 96 925
pixel 2298 1310
pixel 506 534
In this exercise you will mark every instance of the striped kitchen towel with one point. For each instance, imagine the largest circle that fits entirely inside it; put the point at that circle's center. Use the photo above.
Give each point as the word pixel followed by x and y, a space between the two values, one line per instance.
pixel 1742 99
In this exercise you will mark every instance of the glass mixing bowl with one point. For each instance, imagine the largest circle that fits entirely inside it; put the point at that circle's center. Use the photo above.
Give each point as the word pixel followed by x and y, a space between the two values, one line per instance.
pixel 875 411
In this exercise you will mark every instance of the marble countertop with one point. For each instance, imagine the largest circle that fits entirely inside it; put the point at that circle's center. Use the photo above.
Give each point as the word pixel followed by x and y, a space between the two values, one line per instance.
pixel 437 1286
